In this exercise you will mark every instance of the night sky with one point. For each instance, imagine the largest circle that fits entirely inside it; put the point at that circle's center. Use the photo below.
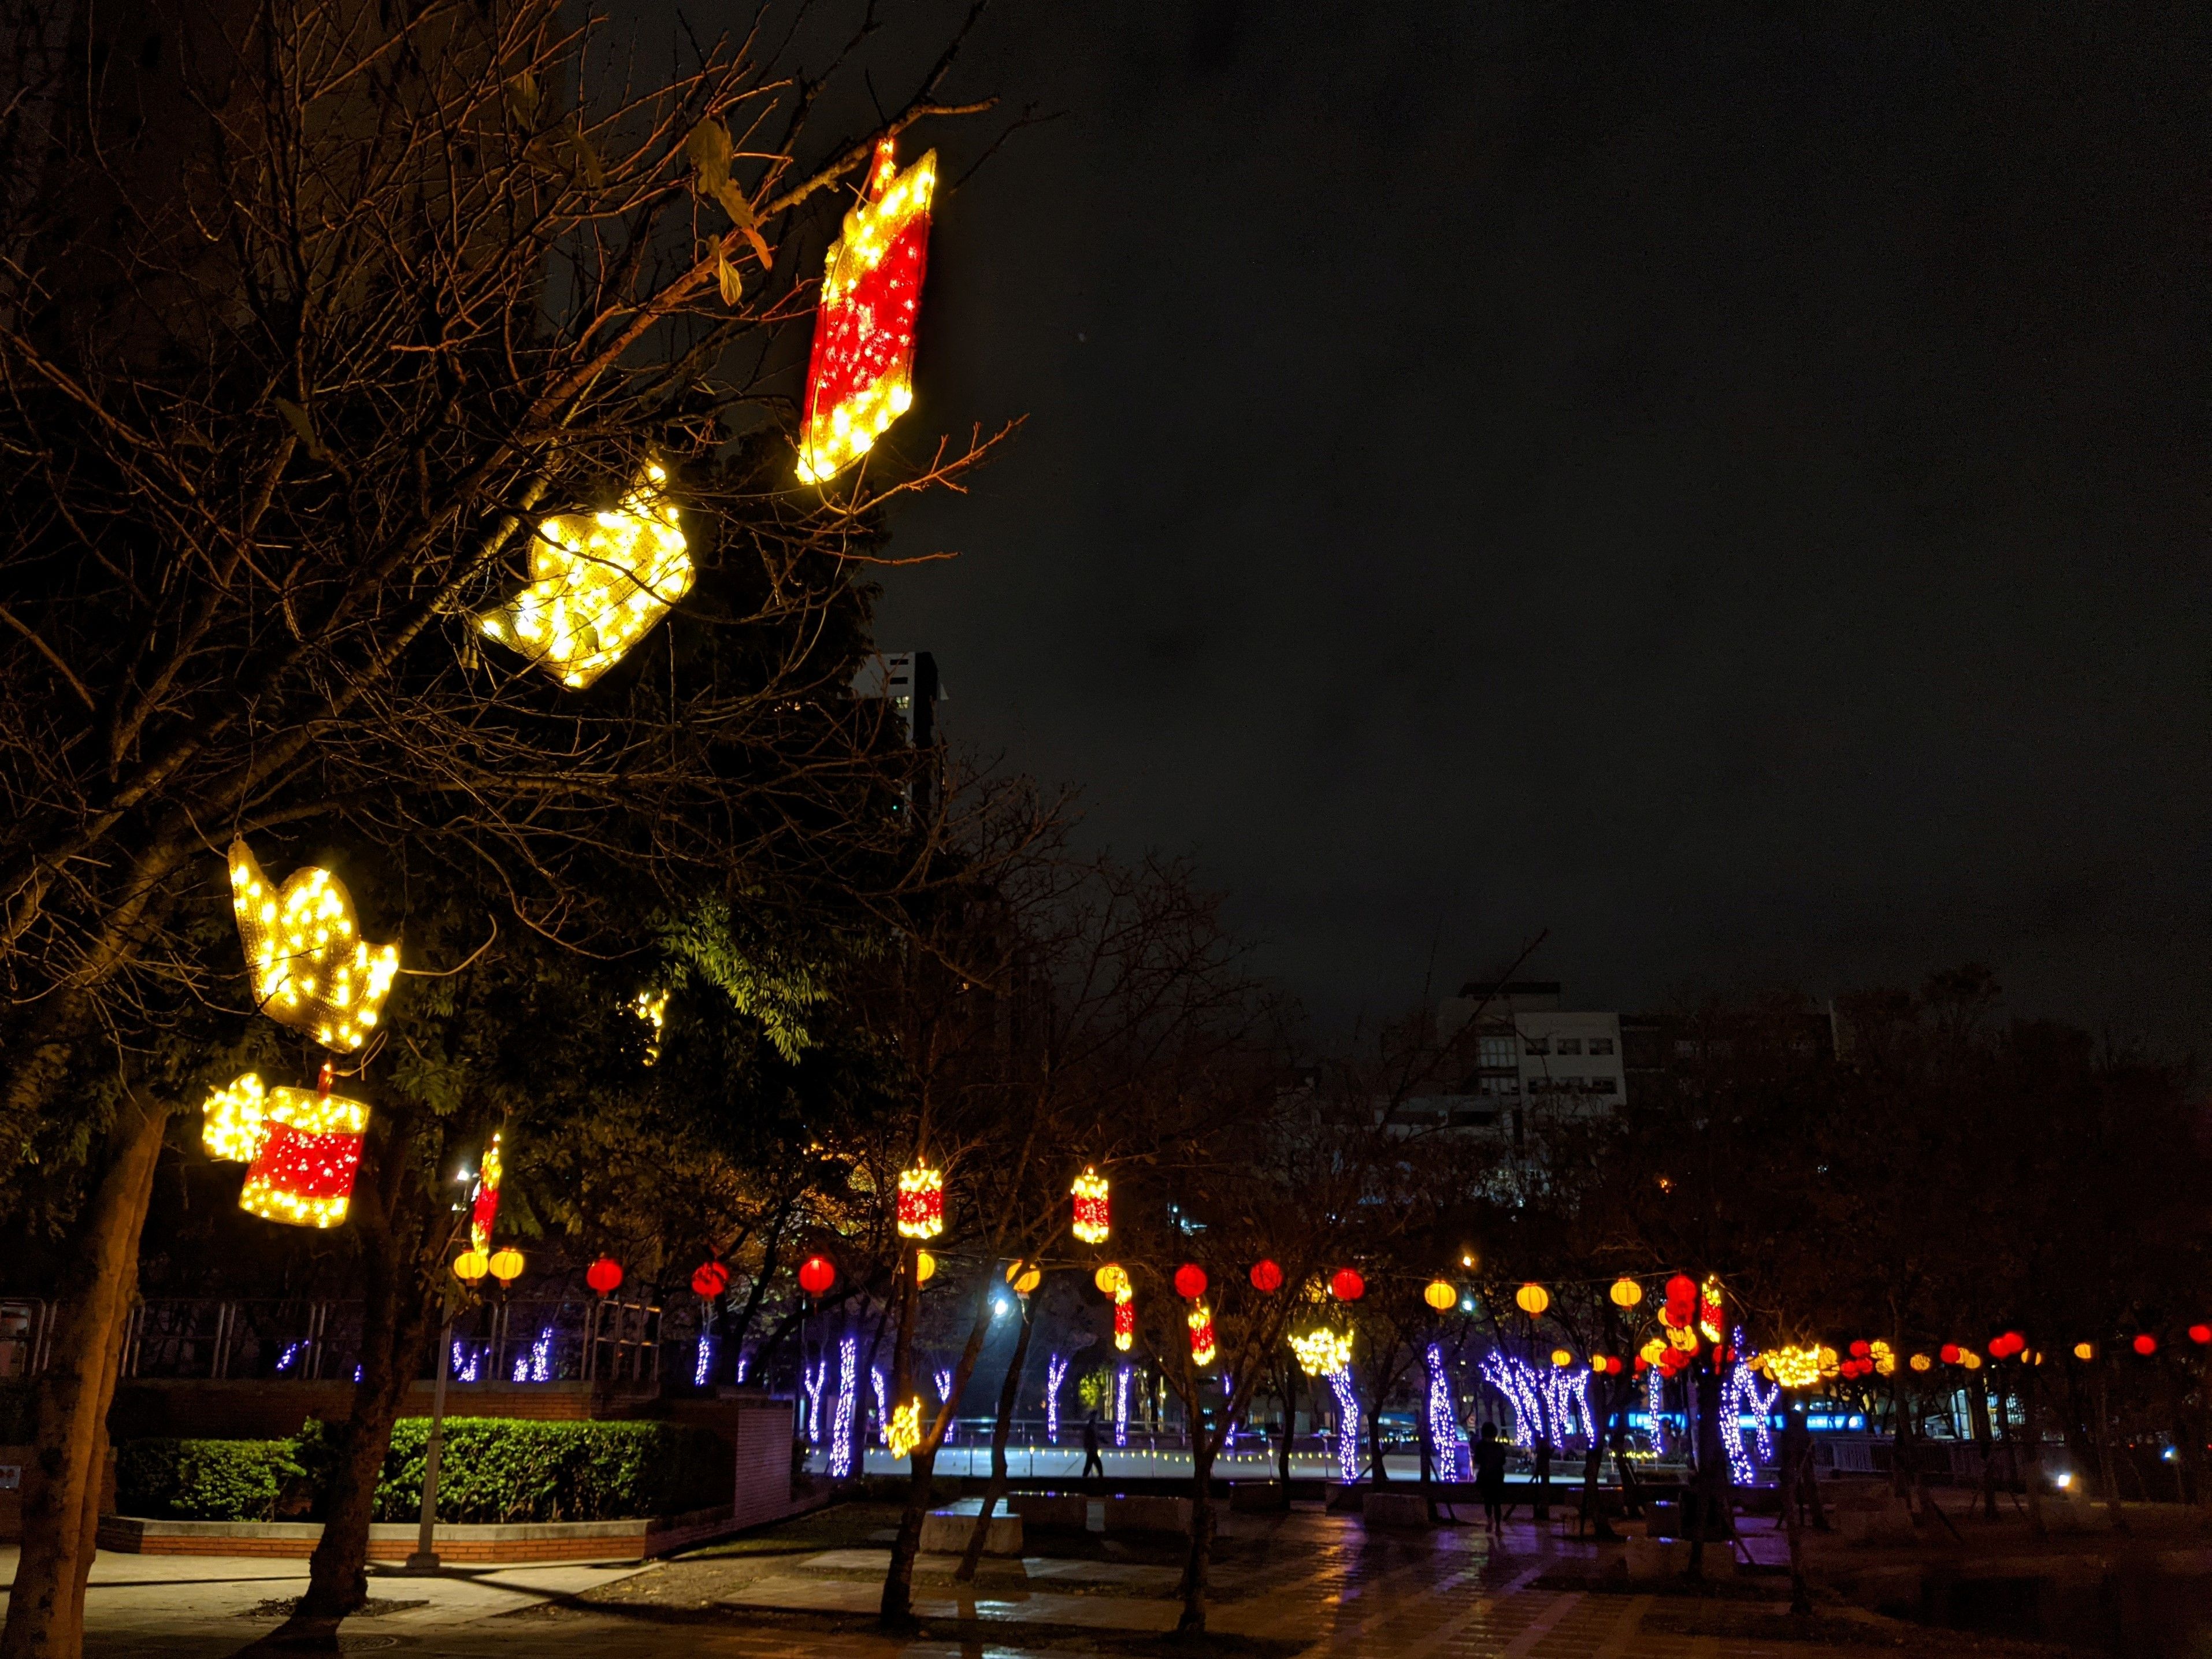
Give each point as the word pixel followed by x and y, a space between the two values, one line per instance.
pixel 1727 489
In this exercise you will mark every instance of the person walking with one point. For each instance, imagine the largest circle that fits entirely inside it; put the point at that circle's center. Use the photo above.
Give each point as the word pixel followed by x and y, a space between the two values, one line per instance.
pixel 1489 1481
pixel 1091 1460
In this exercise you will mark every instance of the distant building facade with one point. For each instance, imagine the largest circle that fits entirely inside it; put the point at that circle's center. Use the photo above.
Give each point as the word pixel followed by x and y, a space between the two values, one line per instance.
pixel 1535 1061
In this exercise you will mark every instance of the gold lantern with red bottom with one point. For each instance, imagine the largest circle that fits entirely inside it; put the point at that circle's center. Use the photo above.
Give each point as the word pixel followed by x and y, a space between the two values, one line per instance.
pixel 303 1150
pixel 921 1202
pixel 1094 1208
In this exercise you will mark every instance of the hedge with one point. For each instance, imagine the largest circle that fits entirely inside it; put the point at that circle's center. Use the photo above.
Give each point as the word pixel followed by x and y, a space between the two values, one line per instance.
pixel 204 1480
pixel 492 1469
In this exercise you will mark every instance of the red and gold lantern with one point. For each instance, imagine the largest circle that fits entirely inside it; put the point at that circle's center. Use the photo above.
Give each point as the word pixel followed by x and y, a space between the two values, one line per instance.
pixel 921 1202
pixel 1200 1320
pixel 1094 1208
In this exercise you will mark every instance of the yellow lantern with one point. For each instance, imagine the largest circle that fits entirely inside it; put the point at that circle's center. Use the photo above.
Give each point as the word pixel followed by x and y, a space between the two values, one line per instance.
pixel 1532 1299
pixel 1884 1357
pixel 1626 1292
pixel 1561 1359
pixel 1113 1279
pixel 471 1265
pixel 1970 1360
pixel 2085 1350
pixel 304 959
pixel 505 1265
pixel 598 581
pixel 925 1266
pixel 1441 1294
pixel 1653 1351
pixel 1023 1281
pixel 1921 1362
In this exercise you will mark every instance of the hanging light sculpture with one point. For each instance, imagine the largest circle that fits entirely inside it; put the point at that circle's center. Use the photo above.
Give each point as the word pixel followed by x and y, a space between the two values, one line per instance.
pixel 1094 1207
pixel 921 1202
pixel 483 1203
pixel 598 582
pixel 903 1433
pixel 1200 1320
pixel 309 966
pixel 302 1147
pixel 1321 1351
pixel 1125 1317
pixel 860 377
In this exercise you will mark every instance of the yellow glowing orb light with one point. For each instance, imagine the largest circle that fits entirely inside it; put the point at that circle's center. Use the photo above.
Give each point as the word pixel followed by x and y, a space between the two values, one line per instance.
pixel 1024 1280
pixel 1626 1293
pixel 652 1007
pixel 1113 1279
pixel 236 1120
pixel 859 375
pixel 1532 1299
pixel 903 1433
pixel 921 1202
pixel 1921 1362
pixel 598 581
pixel 1970 1360
pixel 303 1174
pixel 1798 1368
pixel 469 1266
pixel 1094 1213
pixel 1653 1351
pixel 1561 1359
pixel 1884 1357
pixel 2085 1350
pixel 925 1266
pixel 309 967
pixel 506 1265
pixel 1322 1352
pixel 1200 1320
pixel 1440 1294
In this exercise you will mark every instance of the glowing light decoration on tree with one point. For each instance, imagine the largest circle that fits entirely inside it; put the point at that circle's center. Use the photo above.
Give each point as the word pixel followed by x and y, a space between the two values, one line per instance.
pixel 813 1377
pixel 943 1379
pixel 1523 1390
pixel 904 1432
pixel 1444 1414
pixel 1347 1423
pixel 921 1202
pixel 1710 1322
pixel 1122 1406
pixel 598 582
pixel 303 1150
pixel 883 1412
pixel 1125 1317
pixel 1055 1373
pixel 309 968
pixel 860 377
pixel 841 1426
pixel 1655 1406
pixel 1094 1207
pixel 483 1203
pixel 1322 1351
pixel 1200 1320
pixel 1799 1367
pixel 703 1365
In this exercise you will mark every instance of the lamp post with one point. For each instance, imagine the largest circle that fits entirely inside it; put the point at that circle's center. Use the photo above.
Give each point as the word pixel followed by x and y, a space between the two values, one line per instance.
pixel 470 1267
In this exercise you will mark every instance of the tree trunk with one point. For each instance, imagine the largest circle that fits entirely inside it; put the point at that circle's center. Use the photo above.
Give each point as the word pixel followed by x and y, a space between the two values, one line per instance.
pixel 398 1299
pixel 1977 1408
pixel 896 1610
pixel 1001 1426
pixel 2103 1436
pixel 61 1494
pixel 1289 1393
pixel 1195 1563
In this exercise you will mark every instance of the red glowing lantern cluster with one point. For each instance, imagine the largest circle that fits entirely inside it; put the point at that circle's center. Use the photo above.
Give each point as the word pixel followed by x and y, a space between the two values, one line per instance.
pixel 1190 1281
pixel 710 1280
pixel 817 1275
pixel 1346 1286
pixel 2201 1334
pixel 2008 1345
pixel 604 1275
pixel 1948 1353
pixel 1680 1312
pixel 1607 1364
pixel 1266 1277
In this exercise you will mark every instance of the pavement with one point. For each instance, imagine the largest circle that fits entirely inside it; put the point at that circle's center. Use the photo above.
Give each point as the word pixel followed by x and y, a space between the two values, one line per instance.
pixel 1303 1583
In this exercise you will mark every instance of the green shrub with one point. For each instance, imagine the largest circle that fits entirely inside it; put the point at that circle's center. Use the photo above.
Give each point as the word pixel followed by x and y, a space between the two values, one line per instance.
pixel 203 1480
pixel 492 1469
pixel 502 1470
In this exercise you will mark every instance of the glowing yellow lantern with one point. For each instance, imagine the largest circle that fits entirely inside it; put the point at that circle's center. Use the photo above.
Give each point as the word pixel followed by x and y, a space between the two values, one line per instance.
pixel 1884 1357
pixel 1200 1320
pixel 235 1125
pixel 1970 1360
pixel 470 1265
pixel 1561 1359
pixel 860 376
pixel 598 581
pixel 309 968
pixel 1653 1351
pixel 506 1265
pixel 1321 1353
pixel 1921 1362
pixel 2085 1350
pixel 903 1433
pixel 1626 1293
pixel 1441 1294
pixel 1024 1280
pixel 925 1266
pixel 1094 1211
pixel 1532 1299
pixel 1113 1279
pixel 921 1202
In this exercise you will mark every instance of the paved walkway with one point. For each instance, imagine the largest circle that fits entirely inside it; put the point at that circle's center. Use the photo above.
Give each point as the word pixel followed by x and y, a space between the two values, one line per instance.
pixel 1301 1584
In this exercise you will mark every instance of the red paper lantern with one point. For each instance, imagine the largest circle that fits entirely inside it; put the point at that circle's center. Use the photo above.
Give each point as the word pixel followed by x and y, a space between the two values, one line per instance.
pixel 1190 1281
pixel 1860 1350
pixel 1266 1277
pixel 816 1275
pixel 2146 1345
pixel 1682 1292
pixel 1641 1365
pixel 2008 1345
pixel 604 1275
pixel 710 1279
pixel 1346 1286
pixel 1948 1353
pixel 2200 1334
